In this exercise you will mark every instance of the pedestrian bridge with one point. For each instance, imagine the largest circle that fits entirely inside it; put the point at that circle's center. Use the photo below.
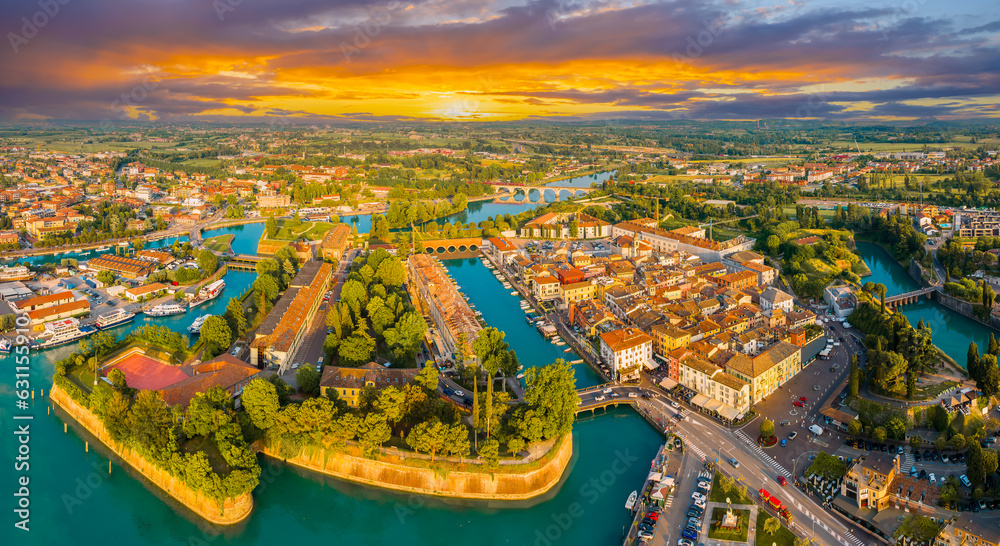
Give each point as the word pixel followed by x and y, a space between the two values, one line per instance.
pixel 243 262
pixel 910 297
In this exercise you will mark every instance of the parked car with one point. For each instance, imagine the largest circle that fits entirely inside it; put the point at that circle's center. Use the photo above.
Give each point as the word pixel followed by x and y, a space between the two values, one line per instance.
pixel 965 480
pixel 689 534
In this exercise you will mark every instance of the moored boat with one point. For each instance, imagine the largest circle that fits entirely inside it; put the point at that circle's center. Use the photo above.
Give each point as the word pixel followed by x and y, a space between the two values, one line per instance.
pixel 61 332
pixel 166 310
pixel 114 318
pixel 195 327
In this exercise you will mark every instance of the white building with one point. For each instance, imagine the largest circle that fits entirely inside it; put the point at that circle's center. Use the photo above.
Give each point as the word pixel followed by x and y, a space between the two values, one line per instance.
pixel 626 351
pixel 772 298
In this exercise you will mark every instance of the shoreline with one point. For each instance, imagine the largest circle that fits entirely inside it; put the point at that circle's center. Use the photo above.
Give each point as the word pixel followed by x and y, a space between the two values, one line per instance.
pixel 458 484
pixel 238 509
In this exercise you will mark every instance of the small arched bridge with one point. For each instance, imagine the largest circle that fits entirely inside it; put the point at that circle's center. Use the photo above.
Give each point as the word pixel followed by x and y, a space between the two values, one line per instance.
pixel 553 190
pixel 910 297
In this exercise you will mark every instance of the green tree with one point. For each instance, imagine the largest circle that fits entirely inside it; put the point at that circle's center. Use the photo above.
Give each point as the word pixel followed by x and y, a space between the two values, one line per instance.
pixel 260 400
pixel 307 379
pixel 766 429
pixel 896 429
pixel 236 318
pixel 994 348
pixel 988 380
pixel 428 377
pixel 271 226
pixel 854 378
pixel 392 403
pixel 972 361
pixel 436 437
pixel 854 427
pixel 878 434
pixel 391 272
pixel 958 441
pixel 940 442
pixel 773 242
pixel 106 277
pixel 265 286
pixel 357 349
pixel 216 335
pixel 373 431
pixel 490 453
pixel 916 441
pixel 771 525
pixel 550 393
pixel 989 461
pixel 207 261
pixel 975 466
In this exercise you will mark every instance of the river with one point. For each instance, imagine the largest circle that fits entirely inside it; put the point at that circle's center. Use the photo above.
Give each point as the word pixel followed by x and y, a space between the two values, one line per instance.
pixel 951 331
pixel 75 501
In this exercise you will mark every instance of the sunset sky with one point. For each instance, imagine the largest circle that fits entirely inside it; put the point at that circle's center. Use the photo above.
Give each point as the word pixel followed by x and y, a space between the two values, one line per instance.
pixel 337 60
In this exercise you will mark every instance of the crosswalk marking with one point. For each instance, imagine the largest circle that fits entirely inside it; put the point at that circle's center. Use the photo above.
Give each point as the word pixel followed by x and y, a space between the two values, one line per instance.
pixel 855 540
pixel 753 444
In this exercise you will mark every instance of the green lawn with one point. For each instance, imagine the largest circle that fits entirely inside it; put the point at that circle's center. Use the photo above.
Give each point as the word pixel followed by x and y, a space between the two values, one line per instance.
pixel 220 243
pixel 313 231
pixel 718 495
pixel 828 466
pixel 738 535
pixel 781 537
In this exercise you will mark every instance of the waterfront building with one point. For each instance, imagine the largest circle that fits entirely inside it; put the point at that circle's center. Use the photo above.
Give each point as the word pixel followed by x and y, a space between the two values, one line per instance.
pixel 284 328
pixel 156 256
pixel 841 299
pixel 64 310
pixel 578 291
pixel 139 292
pixel 349 382
pixel 452 315
pixel 627 351
pixel 41 302
pixel 123 266
pixel 545 287
pixel 768 370
pixel 501 250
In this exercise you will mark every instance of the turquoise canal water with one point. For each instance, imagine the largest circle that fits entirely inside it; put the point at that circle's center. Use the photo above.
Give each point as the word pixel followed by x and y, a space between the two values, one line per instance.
pixel 246 238
pixel 498 307
pixel 75 501
pixel 951 331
